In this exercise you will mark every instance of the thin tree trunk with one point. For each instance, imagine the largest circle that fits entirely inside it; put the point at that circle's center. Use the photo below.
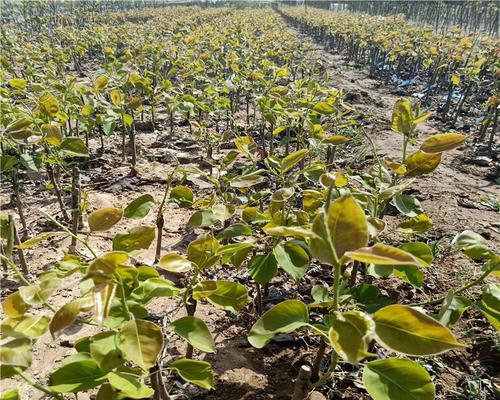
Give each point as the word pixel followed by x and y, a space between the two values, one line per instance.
pixel 75 207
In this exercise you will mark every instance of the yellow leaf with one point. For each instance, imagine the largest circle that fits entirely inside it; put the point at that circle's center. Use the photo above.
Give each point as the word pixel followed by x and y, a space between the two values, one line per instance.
pixel 442 142
pixel 104 219
pixel 420 163
pixel 382 254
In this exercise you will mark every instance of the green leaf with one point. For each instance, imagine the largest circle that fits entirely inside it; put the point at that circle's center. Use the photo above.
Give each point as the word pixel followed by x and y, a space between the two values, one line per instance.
pixel 203 251
pixel 141 341
pixel 490 304
pixel 194 371
pixel 174 262
pixel 77 357
pixel 235 230
pixel 350 333
pixel 284 317
pixel 140 207
pixel 137 238
pixel 227 295
pixel 292 160
pixel 74 147
pixel 419 250
pixel 202 218
pixel 419 224
pixel 442 142
pixel 104 350
pixel 28 162
pixel 410 273
pixel 128 120
pixel 368 297
pixel 182 195
pixel 292 258
pixel 406 330
pixel 129 385
pixel 152 288
pixel 472 244
pixel 397 379
pixel 407 205
pixel 263 268
pixel 104 218
pixel 452 309
pixel 77 377
pixel 12 394
pixel 15 353
pixel 195 332
pixel 344 225
pixel 7 163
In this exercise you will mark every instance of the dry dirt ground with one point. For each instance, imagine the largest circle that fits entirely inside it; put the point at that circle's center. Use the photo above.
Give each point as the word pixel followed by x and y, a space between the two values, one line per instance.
pixel 451 196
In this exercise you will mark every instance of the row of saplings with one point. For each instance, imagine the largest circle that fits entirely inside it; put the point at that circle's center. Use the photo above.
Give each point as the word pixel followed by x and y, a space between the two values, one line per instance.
pixel 127 358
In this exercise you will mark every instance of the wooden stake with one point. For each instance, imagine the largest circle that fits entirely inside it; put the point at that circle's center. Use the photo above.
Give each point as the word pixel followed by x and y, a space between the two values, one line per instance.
pixel 75 208
pixel 301 390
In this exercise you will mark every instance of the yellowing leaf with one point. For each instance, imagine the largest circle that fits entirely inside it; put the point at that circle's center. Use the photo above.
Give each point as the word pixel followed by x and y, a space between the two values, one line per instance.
pixel 104 219
pixel 141 341
pixel 350 333
pixel 420 163
pixel 48 105
pixel 174 262
pixel 14 305
pixel 402 117
pixel 406 330
pixel 67 314
pixel 382 254
pixel 335 139
pixel 344 226
pixel 418 224
pixel 442 142
pixel 101 82
pixel 17 83
pixel 292 160
pixel 116 97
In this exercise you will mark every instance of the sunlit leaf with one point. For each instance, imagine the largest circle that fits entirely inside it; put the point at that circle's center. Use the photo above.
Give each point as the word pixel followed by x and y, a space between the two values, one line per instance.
pixel 104 218
pixel 406 330
pixel 396 379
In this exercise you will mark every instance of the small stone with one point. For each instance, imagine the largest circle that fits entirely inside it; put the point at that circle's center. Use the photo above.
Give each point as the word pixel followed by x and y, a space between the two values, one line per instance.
pixel 316 396
pixel 482 161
